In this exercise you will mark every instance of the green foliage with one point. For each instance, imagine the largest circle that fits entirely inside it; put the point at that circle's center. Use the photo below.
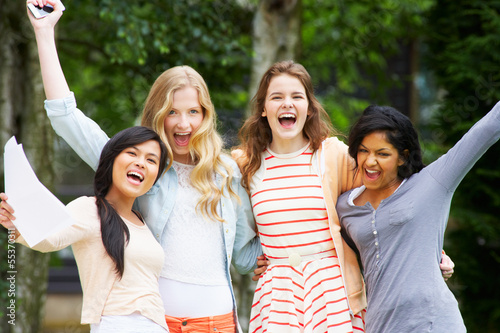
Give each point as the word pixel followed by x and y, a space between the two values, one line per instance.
pixel 347 46
pixel 113 52
pixel 464 53
pixel 193 32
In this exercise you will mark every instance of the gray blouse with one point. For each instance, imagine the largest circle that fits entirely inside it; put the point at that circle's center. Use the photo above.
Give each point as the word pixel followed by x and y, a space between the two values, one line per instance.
pixel 400 242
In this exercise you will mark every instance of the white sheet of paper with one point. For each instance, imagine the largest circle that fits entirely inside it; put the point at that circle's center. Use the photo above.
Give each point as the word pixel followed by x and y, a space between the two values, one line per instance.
pixel 38 212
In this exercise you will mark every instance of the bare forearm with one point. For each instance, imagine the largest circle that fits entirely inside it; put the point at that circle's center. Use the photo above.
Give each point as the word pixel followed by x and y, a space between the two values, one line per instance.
pixel 54 82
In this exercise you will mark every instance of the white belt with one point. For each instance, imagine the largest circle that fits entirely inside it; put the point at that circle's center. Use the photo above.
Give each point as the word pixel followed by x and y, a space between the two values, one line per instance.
pixel 294 258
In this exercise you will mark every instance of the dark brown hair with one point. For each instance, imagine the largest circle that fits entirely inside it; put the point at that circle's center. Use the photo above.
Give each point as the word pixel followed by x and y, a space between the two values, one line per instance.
pixel 114 231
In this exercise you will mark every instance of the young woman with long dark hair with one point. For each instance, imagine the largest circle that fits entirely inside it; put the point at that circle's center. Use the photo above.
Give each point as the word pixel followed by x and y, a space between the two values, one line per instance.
pixel 118 259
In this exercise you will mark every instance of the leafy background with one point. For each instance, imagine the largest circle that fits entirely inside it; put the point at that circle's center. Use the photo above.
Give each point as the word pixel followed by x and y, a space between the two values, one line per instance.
pixel 358 53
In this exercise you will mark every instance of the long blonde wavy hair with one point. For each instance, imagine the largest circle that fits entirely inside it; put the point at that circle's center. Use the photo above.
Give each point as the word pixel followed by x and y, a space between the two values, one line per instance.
pixel 205 145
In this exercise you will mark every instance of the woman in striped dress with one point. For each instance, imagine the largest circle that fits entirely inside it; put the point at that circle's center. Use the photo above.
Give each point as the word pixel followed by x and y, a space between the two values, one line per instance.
pixel 295 171
pixel 294 175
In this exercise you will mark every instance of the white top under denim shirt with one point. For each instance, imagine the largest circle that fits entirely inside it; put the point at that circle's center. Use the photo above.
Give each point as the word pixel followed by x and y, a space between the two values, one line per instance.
pixel 240 241
pixel 193 281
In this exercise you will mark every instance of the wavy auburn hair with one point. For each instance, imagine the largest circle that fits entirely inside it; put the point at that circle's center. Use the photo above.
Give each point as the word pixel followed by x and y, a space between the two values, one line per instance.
pixel 205 145
pixel 256 135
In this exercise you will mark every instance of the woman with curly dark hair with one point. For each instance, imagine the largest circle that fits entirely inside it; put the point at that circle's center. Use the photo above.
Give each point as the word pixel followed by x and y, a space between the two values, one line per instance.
pixel 398 218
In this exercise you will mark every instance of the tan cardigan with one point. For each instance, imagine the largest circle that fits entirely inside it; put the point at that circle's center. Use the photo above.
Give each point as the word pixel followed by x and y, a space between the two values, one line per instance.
pixel 337 171
pixel 97 270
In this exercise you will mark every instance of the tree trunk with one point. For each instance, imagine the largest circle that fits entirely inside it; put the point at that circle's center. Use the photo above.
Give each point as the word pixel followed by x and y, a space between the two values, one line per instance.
pixel 22 114
pixel 276 36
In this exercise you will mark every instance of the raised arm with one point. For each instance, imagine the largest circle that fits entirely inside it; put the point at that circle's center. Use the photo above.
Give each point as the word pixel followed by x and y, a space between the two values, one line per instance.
pixel 80 132
pixel 452 167
pixel 54 82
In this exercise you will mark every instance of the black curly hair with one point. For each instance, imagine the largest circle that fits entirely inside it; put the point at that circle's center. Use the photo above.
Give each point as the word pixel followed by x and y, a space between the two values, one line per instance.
pixel 399 132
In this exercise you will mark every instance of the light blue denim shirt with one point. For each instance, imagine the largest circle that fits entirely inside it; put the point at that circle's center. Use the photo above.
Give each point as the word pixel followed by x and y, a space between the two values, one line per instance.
pixel 87 140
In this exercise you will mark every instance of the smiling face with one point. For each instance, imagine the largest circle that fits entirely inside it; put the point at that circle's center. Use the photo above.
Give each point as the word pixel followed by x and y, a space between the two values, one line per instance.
pixel 286 109
pixel 134 171
pixel 182 121
pixel 378 161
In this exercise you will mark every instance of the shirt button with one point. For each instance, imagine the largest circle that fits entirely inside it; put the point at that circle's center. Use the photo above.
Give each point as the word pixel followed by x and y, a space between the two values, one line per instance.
pixel 184 323
pixel 227 230
pixel 375 232
pixel 373 221
pixel 376 243
pixel 378 256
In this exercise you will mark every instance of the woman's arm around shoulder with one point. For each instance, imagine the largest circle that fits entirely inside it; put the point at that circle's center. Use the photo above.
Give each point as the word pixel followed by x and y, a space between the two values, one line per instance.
pixel 239 157
pixel 246 244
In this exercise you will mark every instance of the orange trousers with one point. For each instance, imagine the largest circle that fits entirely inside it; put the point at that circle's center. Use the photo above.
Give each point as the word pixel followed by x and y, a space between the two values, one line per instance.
pixel 222 324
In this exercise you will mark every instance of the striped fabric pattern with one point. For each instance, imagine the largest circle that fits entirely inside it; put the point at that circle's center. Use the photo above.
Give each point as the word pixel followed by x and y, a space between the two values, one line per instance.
pixel 302 290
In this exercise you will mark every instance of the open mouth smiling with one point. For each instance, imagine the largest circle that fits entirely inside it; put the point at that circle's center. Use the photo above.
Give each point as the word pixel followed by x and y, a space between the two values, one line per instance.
pixel 135 176
pixel 287 119
pixel 182 139
pixel 372 174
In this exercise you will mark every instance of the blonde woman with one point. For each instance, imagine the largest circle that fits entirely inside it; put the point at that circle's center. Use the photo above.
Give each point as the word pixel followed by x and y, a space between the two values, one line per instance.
pixel 197 211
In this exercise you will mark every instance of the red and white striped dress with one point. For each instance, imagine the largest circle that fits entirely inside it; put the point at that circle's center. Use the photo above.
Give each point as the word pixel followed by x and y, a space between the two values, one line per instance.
pixel 303 289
